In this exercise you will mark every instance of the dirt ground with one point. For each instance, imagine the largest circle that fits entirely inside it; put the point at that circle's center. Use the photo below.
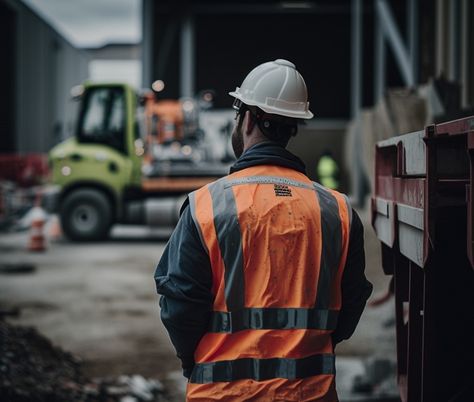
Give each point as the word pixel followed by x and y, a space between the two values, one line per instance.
pixel 98 301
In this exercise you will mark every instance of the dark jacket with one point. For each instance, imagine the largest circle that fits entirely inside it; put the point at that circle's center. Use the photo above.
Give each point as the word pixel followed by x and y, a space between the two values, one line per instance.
pixel 184 277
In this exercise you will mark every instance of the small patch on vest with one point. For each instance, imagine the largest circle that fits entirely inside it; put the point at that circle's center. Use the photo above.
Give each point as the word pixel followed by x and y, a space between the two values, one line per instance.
pixel 282 190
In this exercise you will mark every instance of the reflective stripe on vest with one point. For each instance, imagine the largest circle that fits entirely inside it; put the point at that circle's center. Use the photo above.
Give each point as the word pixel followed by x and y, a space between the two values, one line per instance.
pixel 230 243
pixel 332 245
pixel 263 369
pixel 273 318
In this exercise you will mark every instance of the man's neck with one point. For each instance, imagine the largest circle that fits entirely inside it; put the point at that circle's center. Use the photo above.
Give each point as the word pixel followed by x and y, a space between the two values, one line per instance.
pixel 256 137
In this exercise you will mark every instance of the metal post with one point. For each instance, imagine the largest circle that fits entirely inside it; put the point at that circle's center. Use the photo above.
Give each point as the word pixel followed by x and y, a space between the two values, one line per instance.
pixel 440 38
pixel 147 42
pixel 415 331
pixel 454 40
pixel 187 57
pixel 358 178
pixel 356 57
pixel 412 8
pixel 401 278
pixel 428 363
pixel 392 34
pixel 465 43
pixel 379 84
pixel 169 36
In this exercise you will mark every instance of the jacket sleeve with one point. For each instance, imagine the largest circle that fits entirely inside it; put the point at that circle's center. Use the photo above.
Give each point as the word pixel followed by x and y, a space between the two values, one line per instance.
pixel 356 289
pixel 183 278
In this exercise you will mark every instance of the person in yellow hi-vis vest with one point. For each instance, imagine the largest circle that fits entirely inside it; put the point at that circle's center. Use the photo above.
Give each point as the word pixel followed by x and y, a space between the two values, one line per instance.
pixel 328 171
pixel 264 273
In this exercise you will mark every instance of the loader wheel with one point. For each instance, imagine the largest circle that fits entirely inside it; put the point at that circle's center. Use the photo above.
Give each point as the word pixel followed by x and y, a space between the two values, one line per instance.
pixel 86 214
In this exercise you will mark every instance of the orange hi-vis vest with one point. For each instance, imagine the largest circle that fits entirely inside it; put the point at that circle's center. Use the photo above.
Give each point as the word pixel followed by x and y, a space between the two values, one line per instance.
pixel 277 243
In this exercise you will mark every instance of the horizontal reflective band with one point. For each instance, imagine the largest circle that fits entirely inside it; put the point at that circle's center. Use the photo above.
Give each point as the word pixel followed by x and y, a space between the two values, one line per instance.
pixel 273 318
pixel 262 369
pixel 268 180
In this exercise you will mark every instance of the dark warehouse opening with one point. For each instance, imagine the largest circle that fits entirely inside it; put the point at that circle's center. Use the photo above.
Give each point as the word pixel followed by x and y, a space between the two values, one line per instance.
pixel 7 79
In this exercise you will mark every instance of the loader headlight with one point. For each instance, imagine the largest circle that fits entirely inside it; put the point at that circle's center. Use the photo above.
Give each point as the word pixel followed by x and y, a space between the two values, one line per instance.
pixel 158 86
pixel 66 171
pixel 188 106
pixel 77 91
pixel 139 147
pixel 186 150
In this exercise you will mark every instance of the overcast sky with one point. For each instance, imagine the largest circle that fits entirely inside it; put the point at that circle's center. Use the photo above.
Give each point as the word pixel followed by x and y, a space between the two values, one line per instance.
pixel 92 23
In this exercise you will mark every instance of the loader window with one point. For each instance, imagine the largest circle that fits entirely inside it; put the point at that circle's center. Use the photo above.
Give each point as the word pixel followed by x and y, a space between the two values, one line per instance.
pixel 102 119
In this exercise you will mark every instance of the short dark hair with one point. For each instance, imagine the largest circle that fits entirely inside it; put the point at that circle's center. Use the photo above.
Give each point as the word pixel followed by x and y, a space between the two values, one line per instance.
pixel 275 127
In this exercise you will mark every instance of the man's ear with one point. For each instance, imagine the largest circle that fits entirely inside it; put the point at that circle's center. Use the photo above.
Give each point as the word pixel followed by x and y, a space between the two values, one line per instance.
pixel 249 122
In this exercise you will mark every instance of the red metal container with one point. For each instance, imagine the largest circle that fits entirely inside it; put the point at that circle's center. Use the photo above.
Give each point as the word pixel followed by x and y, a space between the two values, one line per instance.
pixel 24 170
pixel 422 212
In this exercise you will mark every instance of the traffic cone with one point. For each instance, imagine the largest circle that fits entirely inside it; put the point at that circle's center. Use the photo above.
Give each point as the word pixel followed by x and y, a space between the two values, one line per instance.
pixel 37 241
pixel 55 232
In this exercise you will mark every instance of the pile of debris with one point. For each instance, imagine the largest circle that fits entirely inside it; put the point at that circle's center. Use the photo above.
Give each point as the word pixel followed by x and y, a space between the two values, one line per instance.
pixel 32 369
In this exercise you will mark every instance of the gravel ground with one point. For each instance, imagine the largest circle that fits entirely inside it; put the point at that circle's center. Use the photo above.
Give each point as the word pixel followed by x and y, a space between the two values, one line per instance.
pixel 98 301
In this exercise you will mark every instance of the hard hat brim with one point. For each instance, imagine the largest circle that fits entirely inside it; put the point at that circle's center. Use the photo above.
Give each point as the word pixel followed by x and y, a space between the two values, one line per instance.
pixel 272 110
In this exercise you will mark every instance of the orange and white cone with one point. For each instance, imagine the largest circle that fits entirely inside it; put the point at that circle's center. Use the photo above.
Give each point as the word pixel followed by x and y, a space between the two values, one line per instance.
pixel 54 231
pixel 37 241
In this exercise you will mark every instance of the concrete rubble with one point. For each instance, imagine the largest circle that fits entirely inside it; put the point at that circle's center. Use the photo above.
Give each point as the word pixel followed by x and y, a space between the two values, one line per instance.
pixel 33 369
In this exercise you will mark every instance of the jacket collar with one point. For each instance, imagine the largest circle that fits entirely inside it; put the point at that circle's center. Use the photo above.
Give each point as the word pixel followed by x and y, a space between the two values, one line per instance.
pixel 268 153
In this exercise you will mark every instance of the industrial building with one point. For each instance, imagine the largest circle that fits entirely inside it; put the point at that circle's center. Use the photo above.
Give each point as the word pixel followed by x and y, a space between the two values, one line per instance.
pixel 38 69
pixel 391 85
pixel 352 52
pixel 381 44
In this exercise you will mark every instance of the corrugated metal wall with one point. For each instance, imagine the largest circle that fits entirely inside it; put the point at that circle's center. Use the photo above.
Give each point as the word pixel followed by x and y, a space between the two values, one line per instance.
pixel 43 68
pixel 455 45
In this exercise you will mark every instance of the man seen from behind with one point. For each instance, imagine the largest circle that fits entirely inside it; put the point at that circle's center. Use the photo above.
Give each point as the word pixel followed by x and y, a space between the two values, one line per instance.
pixel 264 273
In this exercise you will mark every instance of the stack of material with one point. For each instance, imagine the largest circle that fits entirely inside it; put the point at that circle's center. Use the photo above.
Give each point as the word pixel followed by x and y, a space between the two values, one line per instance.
pixel 400 111
pixel 32 369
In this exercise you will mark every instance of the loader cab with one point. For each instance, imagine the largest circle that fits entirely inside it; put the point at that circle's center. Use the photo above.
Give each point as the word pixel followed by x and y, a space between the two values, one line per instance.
pixel 102 118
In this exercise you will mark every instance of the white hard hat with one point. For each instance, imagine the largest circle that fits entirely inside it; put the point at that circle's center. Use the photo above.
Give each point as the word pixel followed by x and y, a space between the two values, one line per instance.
pixel 276 87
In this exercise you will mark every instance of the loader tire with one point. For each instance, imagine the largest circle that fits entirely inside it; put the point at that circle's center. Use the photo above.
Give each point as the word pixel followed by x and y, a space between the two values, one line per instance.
pixel 86 215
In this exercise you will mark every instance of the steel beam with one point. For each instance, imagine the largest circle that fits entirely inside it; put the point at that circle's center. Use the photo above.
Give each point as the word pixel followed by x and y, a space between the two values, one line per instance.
pixel 380 56
pixel 440 38
pixel 454 41
pixel 147 42
pixel 393 37
pixel 288 7
pixel 356 57
pixel 169 38
pixel 415 332
pixel 359 178
pixel 412 28
pixel 187 57
pixel 466 41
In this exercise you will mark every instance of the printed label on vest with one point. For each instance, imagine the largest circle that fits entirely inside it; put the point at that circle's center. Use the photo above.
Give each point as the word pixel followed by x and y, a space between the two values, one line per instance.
pixel 282 190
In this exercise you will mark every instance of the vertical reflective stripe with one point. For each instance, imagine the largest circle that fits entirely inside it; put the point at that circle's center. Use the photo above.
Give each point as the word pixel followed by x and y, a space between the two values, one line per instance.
pixel 331 233
pixel 349 211
pixel 192 207
pixel 229 237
